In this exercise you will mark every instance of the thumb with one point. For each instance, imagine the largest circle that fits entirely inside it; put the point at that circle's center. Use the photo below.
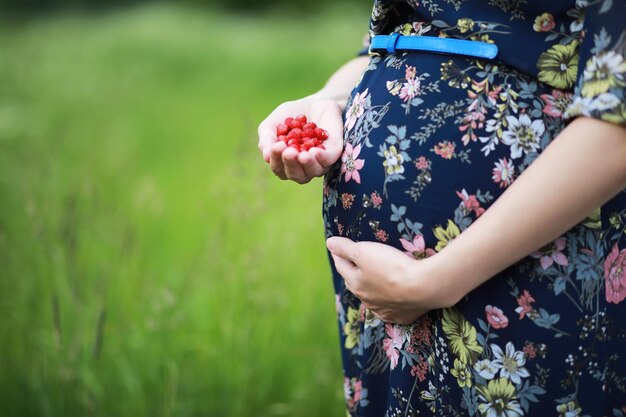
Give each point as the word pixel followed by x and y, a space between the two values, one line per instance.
pixel 343 248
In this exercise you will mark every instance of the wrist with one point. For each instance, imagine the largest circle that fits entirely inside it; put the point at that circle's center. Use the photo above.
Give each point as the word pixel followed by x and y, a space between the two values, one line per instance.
pixel 434 282
pixel 445 280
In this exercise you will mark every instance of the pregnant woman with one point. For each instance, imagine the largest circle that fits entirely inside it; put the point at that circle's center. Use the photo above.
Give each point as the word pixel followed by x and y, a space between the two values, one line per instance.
pixel 475 208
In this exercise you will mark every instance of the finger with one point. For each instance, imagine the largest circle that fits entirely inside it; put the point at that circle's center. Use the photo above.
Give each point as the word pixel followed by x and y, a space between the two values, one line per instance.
pixel 276 161
pixel 376 315
pixel 293 168
pixel 267 137
pixel 347 271
pixel 311 166
pixel 343 247
pixel 331 153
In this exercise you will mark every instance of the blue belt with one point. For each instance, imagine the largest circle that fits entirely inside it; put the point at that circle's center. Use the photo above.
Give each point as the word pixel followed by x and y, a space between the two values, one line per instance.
pixel 398 43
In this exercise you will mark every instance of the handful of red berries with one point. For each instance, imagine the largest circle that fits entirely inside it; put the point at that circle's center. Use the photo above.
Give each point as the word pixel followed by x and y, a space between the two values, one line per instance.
pixel 300 134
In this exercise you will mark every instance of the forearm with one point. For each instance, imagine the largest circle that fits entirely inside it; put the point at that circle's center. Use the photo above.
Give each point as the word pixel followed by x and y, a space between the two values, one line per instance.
pixel 580 170
pixel 341 83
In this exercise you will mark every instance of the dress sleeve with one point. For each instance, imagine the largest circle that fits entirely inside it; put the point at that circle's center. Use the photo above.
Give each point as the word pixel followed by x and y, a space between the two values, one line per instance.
pixel 601 85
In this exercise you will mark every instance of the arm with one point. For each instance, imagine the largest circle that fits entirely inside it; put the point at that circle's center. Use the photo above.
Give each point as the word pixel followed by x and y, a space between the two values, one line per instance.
pixel 325 107
pixel 579 171
pixel 341 83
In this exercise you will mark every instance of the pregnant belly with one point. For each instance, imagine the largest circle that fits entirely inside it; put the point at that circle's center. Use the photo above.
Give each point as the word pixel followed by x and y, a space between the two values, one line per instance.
pixel 430 142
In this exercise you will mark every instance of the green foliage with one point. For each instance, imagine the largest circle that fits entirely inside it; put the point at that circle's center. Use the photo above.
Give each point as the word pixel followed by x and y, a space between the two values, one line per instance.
pixel 237 5
pixel 150 264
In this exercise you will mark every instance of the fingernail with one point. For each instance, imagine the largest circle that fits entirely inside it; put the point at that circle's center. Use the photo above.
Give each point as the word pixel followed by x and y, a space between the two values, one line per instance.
pixel 329 244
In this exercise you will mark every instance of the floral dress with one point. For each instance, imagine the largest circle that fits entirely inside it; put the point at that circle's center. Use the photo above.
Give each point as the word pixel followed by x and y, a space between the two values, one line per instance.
pixel 431 141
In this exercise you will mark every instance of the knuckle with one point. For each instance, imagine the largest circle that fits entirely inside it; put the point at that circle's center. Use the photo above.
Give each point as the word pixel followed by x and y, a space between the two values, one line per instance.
pixel 353 252
pixel 279 173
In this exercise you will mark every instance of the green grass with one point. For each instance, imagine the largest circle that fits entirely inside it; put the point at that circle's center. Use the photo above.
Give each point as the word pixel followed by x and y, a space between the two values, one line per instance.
pixel 150 264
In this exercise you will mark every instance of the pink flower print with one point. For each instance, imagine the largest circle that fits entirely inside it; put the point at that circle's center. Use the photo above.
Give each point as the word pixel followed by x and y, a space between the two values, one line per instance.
pixel 551 253
pixel 474 119
pixel 524 301
pixel 350 165
pixel 445 149
pixel 503 172
pixel 357 108
pixel 338 306
pixel 377 200
pixel 492 95
pixel 544 23
pixel 382 235
pixel 421 334
pixel 496 317
pixel 393 343
pixel 410 72
pixel 410 89
pixel 347 200
pixel 557 103
pixel 530 350
pixel 416 249
pixel 422 163
pixel 470 202
pixel 420 370
pixel 615 275
pixel 358 387
pixel 352 389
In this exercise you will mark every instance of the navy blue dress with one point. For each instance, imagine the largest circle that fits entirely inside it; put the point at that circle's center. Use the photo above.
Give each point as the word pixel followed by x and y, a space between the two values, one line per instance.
pixel 431 141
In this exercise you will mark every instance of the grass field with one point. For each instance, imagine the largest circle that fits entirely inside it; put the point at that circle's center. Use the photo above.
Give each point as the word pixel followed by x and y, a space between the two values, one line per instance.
pixel 150 265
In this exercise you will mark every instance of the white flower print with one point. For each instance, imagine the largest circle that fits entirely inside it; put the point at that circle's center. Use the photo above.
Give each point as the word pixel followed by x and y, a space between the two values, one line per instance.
pixel 503 172
pixel 580 106
pixel 511 363
pixel 357 108
pixel 603 71
pixel 393 161
pixel 485 369
pixel 523 135
pixel 410 89
pixel 605 101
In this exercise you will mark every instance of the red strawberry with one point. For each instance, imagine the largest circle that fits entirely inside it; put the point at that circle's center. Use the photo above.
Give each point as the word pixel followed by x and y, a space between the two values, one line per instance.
pixel 294 133
pixel 309 133
pixel 296 124
pixel 300 134
pixel 281 129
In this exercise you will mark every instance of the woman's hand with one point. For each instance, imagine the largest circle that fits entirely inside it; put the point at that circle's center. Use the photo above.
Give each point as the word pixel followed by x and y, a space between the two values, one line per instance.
pixel 394 286
pixel 302 167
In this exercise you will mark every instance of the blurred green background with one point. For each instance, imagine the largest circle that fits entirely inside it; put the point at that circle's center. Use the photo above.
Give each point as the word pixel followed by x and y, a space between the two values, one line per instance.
pixel 150 263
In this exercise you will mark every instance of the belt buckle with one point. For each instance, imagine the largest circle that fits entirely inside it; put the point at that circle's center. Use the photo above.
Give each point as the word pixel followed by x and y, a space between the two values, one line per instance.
pixel 372 53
